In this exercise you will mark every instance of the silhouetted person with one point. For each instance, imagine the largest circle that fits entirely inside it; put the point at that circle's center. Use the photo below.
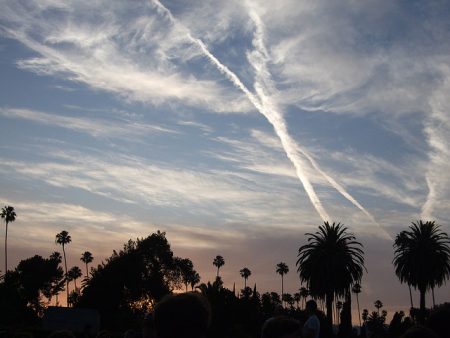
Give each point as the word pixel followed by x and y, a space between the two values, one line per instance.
pixel 311 329
pixel 186 315
pixel 148 327
pixel 281 327
pixel 419 332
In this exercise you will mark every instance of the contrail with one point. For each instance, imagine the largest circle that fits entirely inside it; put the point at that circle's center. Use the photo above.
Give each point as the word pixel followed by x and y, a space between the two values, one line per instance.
pixel 271 115
pixel 258 60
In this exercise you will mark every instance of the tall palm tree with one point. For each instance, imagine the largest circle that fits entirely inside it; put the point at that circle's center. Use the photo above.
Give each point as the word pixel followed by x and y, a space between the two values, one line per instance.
pixel 356 289
pixel 245 273
pixel 330 263
pixel 282 269
pixel 218 262
pixel 378 304
pixel 422 258
pixel 63 238
pixel 86 258
pixel 9 215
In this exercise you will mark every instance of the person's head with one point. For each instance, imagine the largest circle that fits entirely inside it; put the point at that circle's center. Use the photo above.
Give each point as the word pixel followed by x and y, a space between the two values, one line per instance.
pixel 185 315
pixel 311 306
pixel 281 327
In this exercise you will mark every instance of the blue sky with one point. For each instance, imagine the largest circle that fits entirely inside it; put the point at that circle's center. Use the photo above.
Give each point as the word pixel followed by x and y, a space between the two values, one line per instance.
pixel 234 126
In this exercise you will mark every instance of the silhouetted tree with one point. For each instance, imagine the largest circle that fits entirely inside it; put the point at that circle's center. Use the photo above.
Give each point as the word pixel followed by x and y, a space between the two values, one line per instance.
pixel 132 280
pixel 339 305
pixel 356 289
pixel 282 269
pixel 63 238
pixel 378 305
pixel 245 273
pixel 304 293
pixel 9 215
pixel 218 262
pixel 86 258
pixel 422 258
pixel 297 298
pixel 194 279
pixel 33 278
pixel 73 274
pixel 56 256
pixel 187 271
pixel 330 263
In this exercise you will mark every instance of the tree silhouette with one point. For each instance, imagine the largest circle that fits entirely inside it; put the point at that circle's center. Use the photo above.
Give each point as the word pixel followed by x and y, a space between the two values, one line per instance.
pixel 297 298
pixel 282 269
pixel 422 258
pixel 218 262
pixel 245 273
pixel 304 293
pixel 86 258
pixel 356 289
pixel 9 215
pixel 63 238
pixel 194 279
pixel 378 305
pixel 187 271
pixel 330 263
pixel 56 256
pixel 73 274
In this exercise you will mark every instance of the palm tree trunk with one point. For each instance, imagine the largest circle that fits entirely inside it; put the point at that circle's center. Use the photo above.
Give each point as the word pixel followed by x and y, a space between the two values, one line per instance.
pixel 185 284
pixel 217 272
pixel 6 250
pixel 329 304
pixel 67 281
pixel 245 283
pixel 410 296
pixel 87 271
pixel 422 305
pixel 75 282
pixel 359 313
pixel 282 291
pixel 432 293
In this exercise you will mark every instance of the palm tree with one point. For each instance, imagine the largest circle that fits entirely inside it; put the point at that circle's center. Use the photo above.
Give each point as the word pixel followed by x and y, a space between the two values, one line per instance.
pixel 378 304
pixel 9 215
pixel 86 258
pixel 330 263
pixel 218 262
pixel 304 293
pixel 73 274
pixel 422 258
pixel 282 269
pixel 297 298
pixel 245 273
pixel 64 238
pixel 356 289
pixel 194 280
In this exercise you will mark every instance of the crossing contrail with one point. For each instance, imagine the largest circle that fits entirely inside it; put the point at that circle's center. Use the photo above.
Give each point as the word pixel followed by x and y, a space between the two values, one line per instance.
pixel 277 121
pixel 258 59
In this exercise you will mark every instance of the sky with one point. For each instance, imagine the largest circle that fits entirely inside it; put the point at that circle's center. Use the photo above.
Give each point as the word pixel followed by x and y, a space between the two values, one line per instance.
pixel 234 126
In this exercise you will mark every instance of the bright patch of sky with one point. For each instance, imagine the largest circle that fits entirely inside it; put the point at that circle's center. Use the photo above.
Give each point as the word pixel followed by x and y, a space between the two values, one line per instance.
pixel 232 125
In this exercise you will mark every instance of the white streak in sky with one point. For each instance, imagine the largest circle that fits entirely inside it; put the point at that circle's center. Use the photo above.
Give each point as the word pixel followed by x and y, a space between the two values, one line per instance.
pixel 258 59
pixel 272 116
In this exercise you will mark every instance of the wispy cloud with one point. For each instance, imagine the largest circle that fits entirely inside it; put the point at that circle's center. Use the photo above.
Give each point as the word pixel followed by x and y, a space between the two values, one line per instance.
pixel 91 126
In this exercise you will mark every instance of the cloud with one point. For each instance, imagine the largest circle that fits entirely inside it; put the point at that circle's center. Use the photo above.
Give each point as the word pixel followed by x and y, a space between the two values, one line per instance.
pixel 91 126
pixel 139 58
